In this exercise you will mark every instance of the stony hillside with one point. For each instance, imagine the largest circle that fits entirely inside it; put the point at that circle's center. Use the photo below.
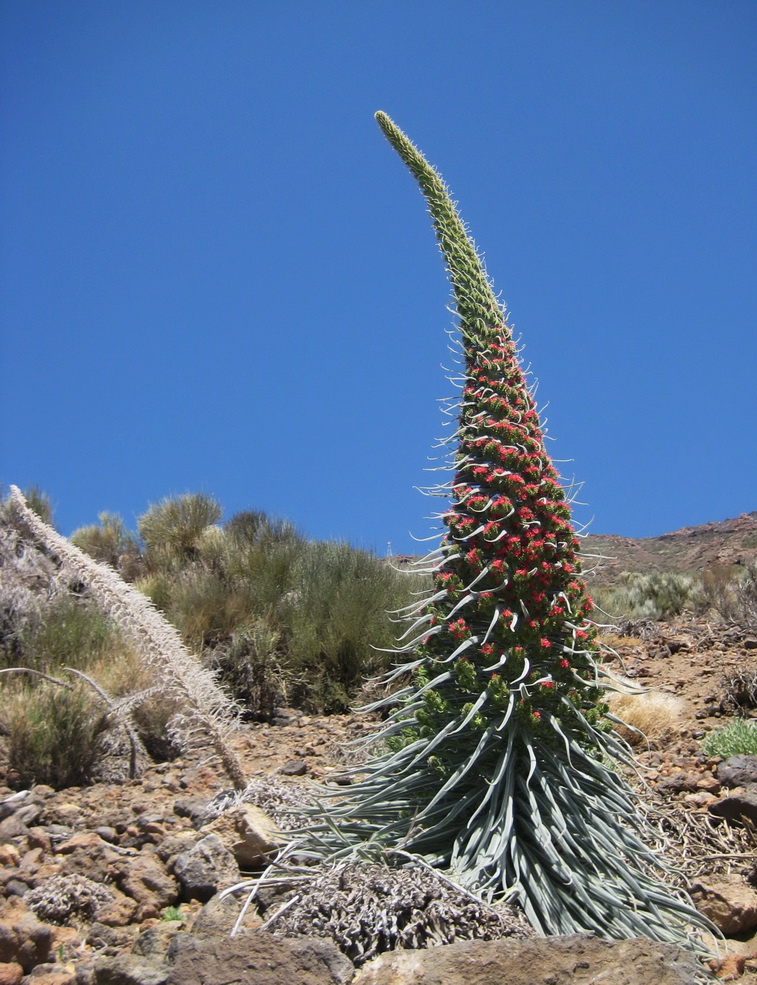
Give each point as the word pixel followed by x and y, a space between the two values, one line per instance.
pixel 690 549
pixel 119 882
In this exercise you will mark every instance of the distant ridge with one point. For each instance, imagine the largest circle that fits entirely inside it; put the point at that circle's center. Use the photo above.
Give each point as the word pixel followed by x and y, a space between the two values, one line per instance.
pixel 690 549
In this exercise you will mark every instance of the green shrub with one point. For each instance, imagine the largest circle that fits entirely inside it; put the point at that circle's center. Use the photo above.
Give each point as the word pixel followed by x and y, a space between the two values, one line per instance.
pixel 256 527
pixel 337 620
pixel 53 734
pixel 108 541
pixel 659 595
pixel 68 633
pixel 172 529
pixel 205 607
pixel 262 554
pixel 738 737
pixel 251 666
pixel 731 592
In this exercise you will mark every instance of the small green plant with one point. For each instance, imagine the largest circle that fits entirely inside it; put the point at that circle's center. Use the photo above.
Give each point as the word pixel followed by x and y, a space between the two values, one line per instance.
pixel 739 737
pixel 172 914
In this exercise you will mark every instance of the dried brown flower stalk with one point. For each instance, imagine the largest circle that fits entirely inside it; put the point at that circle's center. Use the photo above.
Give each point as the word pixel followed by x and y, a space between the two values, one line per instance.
pixel 206 706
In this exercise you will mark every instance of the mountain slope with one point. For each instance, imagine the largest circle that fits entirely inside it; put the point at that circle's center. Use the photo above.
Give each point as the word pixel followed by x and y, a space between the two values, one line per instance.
pixel 690 549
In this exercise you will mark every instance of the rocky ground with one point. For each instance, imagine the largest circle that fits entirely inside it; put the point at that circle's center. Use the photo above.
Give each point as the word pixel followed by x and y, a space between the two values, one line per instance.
pixel 117 882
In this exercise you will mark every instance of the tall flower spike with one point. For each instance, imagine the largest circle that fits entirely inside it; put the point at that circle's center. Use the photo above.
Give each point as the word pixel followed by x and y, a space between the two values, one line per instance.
pixel 493 766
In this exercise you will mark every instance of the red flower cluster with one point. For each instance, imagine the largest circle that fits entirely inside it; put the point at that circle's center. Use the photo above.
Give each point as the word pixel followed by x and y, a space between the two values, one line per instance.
pixel 509 545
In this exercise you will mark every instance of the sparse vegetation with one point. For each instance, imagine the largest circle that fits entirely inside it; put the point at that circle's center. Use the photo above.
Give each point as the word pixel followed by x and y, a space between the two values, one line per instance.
pixel 67 632
pixel 173 529
pixel 366 909
pixel 740 691
pixel 732 594
pixel 205 707
pixel 281 620
pixel 656 595
pixel 280 617
pixel 108 541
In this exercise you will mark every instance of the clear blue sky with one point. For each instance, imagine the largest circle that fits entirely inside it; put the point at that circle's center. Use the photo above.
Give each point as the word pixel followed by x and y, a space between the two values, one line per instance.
pixel 216 275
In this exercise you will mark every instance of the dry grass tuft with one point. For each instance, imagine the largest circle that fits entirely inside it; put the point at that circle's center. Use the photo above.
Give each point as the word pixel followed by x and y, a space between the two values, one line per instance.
pixel 650 717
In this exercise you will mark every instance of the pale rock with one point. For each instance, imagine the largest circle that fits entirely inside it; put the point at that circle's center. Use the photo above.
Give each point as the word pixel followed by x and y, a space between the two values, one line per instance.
pixel 130 969
pixel 24 939
pixel 9 856
pixel 700 799
pixel 11 973
pixel 260 958
pixel 205 868
pixel 728 901
pixel 52 974
pixel 219 916
pixel 87 840
pixel 119 913
pixel 578 959
pixel 248 833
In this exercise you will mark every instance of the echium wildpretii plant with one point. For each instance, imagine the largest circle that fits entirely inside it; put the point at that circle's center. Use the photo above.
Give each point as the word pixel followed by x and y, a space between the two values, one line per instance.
pixel 494 763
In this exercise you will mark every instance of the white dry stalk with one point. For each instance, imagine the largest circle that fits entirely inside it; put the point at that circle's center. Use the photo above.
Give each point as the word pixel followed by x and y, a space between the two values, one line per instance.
pixel 158 643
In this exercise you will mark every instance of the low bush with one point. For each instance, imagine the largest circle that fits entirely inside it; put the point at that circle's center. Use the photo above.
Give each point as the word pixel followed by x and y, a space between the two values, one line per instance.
pixel 739 691
pixel 205 607
pixel 251 667
pixel 659 595
pixel 738 737
pixel 731 592
pixel 337 620
pixel 69 632
pixel 54 730
pixel 283 619
pixel 172 529
pixel 53 734
pixel 109 541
